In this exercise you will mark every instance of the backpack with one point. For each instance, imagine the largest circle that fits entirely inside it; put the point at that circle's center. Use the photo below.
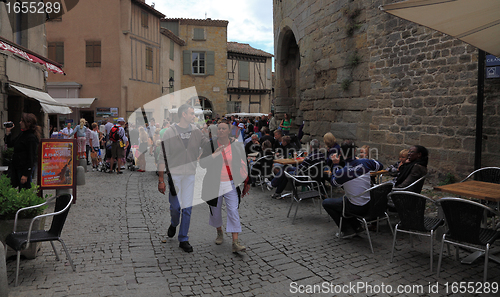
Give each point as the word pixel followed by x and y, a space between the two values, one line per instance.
pixel 114 136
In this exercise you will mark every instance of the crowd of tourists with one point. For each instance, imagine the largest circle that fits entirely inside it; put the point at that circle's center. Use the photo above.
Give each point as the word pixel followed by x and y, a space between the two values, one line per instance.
pixel 236 152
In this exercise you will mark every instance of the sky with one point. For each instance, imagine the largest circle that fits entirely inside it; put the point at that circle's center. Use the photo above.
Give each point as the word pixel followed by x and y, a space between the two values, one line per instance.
pixel 250 21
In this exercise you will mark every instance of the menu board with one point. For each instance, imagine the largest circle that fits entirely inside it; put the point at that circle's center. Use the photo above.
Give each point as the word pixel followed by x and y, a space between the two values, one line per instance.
pixel 57 164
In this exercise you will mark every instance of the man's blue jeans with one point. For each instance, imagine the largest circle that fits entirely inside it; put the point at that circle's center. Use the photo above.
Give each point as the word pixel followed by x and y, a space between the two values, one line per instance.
pixel 280 180
pixel 181 205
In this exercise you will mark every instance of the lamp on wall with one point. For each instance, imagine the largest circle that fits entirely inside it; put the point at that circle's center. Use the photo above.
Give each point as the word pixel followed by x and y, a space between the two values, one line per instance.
pixel 170 85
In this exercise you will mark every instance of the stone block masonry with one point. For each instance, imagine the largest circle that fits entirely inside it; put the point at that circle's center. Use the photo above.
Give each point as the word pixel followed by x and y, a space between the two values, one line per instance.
pixel 386 82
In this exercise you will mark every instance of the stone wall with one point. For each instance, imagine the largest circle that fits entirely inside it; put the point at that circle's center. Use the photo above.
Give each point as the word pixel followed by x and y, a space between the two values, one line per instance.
pixel 388 83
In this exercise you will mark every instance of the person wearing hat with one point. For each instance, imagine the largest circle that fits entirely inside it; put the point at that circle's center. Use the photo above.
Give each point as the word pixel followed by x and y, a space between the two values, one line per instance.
pixel 119 143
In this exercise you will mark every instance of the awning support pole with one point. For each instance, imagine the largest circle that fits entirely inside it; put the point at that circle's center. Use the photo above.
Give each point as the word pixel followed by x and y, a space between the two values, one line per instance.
pixel 479 112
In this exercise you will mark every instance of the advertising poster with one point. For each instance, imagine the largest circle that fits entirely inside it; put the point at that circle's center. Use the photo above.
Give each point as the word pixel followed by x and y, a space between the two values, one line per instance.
pixel 57 163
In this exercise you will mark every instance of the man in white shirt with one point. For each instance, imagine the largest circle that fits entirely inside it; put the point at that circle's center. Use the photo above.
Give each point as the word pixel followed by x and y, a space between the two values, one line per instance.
pixel 67 131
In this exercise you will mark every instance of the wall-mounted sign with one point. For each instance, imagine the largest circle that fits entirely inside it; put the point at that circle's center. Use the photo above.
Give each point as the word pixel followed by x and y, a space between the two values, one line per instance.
pixel 492 61
pixel 493 72
pixel 107 111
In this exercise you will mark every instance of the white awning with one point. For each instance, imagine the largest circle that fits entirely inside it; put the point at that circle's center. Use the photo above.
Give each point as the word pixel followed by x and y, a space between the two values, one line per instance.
pixel 246 114
pixel 76 102
pixel 196 111
pixel 49 105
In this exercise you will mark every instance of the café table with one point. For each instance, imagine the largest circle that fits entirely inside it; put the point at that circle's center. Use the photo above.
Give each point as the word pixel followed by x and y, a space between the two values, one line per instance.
pixel 479 190
pixel 289 161
pixel 377 175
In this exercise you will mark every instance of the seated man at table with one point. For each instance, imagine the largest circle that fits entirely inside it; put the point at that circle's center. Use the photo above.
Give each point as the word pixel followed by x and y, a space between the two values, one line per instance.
pixel 280 180
pixel 354 177
pixel 253 146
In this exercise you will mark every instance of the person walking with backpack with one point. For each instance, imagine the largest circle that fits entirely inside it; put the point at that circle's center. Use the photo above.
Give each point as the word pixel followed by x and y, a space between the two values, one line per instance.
pixel 119 143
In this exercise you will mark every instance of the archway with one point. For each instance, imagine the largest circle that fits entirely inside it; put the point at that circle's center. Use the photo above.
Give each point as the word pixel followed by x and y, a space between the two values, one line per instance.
pixel 287 67
pixel 202 103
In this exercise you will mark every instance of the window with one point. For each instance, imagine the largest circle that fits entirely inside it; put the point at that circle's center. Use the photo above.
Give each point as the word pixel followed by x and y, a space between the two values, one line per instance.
pixel 149 58
pixel 93 53
pixel 171 50
pixel 243 72
pixel 233 106
pixel 198 62
pixel 199 34
pixel 144 19
pixel 56 52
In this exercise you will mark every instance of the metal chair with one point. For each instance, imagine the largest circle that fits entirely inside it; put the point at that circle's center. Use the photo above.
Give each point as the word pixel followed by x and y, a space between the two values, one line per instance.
pixel 378 207
pixel 415 187
pixel 19 241
pixel 313 191
pixel 261 169
pixel 411 209
pixel 464 220
pixel 486 174
pixel 316 173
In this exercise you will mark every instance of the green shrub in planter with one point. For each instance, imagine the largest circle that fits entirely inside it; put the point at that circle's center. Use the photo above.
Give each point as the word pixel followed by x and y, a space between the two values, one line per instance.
pixel 11 200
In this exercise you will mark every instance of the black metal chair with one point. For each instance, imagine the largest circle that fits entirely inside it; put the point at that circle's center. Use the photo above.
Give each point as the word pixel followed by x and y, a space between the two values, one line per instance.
pixel 313 191
pixel 377 212
pixel 415 187
pixel 464 219
pixel 411 210
pixel 19 241
pixel 316 173
pixel 486 174
pixel 262 169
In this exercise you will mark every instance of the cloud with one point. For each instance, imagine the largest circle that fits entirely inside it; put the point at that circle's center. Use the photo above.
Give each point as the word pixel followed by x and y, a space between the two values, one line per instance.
pixel 250 21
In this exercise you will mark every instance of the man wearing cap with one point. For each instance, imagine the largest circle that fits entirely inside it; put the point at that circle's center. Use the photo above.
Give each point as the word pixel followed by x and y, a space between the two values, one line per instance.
pixel 117 150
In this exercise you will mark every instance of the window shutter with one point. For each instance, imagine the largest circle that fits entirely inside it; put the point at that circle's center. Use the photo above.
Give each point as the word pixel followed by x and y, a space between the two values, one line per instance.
pixel 186 62
pixel 210 63
pixel 171 50
pixel 199 34
pixel 60 53
pixel 243 72
pixel 97 54
pixel 89 54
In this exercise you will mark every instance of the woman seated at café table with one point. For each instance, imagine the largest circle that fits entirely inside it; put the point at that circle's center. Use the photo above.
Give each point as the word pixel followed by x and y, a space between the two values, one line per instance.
pixel 280 180
pixel 414 168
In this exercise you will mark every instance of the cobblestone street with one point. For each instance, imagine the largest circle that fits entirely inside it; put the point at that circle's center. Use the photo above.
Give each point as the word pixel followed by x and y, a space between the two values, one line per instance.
pixel 114 233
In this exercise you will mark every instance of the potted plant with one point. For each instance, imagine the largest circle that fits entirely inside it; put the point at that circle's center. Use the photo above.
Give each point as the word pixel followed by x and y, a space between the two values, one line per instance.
pixel 11 200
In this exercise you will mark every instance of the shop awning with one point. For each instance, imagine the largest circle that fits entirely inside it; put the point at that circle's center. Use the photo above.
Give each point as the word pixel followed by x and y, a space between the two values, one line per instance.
pixel 476 22
pixel 49 105
pixel 76 102
pixel 6 45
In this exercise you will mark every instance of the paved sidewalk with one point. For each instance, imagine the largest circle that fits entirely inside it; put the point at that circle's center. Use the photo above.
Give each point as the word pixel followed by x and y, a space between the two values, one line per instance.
pixel 115 229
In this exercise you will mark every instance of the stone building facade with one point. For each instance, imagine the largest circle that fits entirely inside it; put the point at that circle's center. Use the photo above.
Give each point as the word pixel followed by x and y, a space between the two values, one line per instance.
pixel 349 68
pixel 204 59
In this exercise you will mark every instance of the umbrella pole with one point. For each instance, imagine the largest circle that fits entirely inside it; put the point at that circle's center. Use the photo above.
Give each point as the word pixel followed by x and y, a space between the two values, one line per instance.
pixel 479 112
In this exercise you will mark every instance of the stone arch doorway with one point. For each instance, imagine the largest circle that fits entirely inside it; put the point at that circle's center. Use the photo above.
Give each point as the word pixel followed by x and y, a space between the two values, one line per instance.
pixel 287 85
pixel 202 103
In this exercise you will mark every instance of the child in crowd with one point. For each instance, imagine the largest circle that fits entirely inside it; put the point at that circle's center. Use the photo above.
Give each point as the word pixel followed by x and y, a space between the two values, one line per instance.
pixel 393 169
pixel 364 152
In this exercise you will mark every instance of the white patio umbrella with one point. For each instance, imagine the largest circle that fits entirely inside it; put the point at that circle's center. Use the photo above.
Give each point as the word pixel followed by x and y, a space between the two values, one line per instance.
pixel 476 22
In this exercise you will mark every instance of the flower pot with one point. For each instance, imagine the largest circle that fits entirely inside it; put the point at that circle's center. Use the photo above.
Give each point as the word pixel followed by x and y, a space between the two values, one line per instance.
pixel 6 227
